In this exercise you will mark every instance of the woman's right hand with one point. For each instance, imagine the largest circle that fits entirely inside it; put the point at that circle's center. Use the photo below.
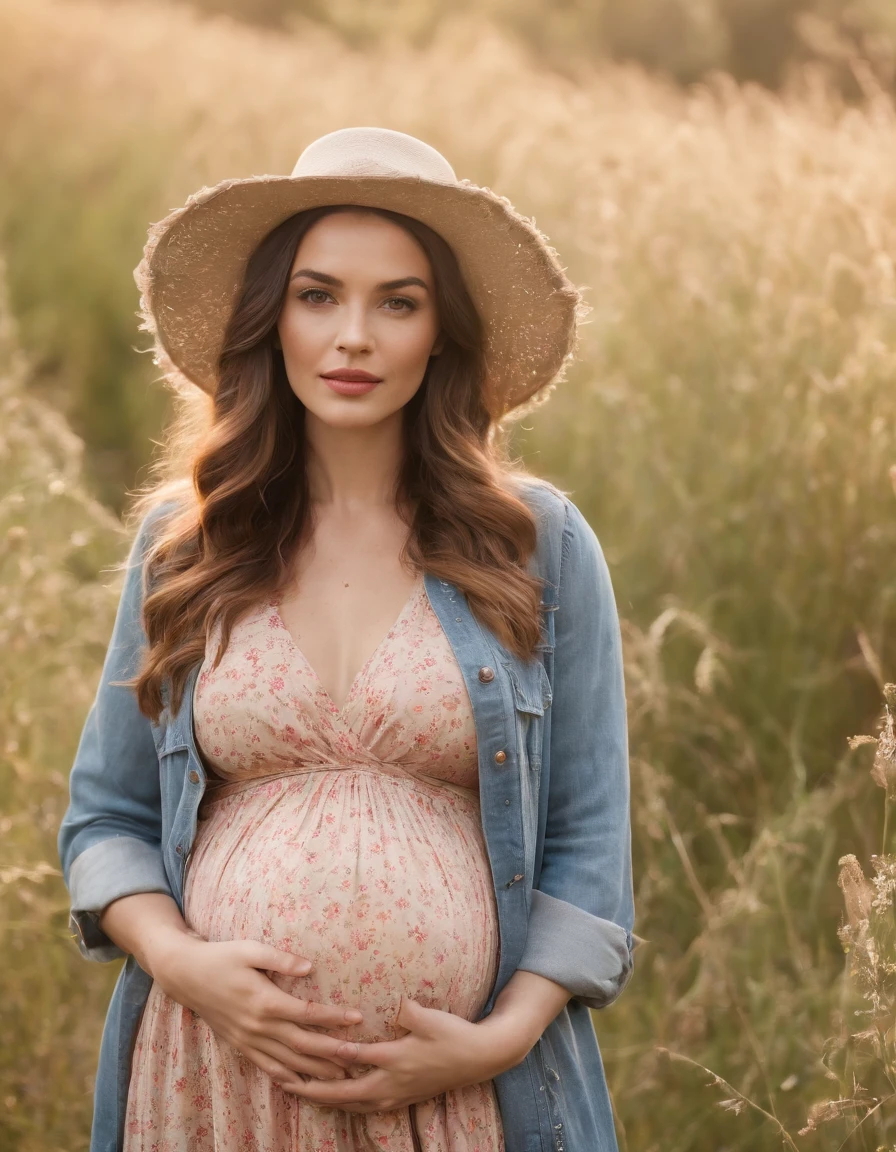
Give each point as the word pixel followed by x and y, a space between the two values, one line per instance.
pixel 225 984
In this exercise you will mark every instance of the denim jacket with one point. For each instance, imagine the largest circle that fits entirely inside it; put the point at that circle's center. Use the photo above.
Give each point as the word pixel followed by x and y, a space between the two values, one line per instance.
pixel 554 795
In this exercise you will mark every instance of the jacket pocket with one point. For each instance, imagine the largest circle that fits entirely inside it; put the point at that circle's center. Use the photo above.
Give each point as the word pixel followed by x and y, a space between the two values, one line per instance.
pixel 532 695
pixel 531 691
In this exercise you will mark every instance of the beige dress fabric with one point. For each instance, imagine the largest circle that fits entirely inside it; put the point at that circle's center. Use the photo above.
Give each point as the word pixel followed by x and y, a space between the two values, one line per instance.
pixel 349 836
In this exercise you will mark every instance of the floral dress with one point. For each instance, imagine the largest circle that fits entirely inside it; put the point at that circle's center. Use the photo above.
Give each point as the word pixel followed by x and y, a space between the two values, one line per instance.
pixel 350 836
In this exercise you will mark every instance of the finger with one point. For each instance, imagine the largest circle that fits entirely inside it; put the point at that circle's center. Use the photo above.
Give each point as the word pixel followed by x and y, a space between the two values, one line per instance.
pixel 378 1106
pixel 413 1016
pixel 361 1109
pixel 271 959
pixel 317 1044
pixel 368 1090
pixel 381 1053
pixel 269 1065
pixel 309 1013
pixel 292 1061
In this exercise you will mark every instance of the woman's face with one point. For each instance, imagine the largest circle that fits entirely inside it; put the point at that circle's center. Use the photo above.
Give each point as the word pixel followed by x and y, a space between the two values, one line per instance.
pixel 361 295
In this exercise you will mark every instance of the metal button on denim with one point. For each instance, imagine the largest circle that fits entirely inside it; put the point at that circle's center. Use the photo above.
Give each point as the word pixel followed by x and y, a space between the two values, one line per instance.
pixel 486 674
pixel 501 756
pixel 194 777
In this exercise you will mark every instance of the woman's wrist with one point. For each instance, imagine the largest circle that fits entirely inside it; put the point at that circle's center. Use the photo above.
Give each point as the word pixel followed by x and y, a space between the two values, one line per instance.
pixel 523 1009
pixel 507 1040
pixel 145 925
pixel 164 951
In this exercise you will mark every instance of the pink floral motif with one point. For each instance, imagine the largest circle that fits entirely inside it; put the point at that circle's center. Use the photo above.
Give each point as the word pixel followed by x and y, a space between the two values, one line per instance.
pixel 348 836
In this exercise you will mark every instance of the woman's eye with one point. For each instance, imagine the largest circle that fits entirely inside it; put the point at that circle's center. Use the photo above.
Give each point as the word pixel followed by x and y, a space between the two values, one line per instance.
pixel 308 292
pixel 408 305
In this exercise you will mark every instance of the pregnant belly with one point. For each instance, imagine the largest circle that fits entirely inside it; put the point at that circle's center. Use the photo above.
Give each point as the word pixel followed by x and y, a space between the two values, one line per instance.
pixel 383 884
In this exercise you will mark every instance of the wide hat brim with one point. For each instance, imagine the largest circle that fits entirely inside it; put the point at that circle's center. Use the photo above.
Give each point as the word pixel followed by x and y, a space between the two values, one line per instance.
pixel 195 258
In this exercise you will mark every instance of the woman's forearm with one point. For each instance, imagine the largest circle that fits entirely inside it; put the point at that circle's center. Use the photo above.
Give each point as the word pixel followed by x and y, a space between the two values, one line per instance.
pixel 143 924
pixel 524 1007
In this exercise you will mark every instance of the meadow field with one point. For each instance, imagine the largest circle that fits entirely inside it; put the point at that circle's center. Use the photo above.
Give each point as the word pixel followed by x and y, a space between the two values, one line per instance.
pixel 729 429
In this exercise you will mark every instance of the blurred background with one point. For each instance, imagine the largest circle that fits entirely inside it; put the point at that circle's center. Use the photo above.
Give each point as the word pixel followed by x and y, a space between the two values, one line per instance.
pixel 720 175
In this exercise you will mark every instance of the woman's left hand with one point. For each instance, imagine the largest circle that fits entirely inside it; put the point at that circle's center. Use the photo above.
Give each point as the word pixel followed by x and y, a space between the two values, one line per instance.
pixel 441 1052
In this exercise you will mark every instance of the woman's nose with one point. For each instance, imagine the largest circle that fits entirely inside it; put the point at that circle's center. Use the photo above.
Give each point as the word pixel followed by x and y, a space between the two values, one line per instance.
pixel 354 330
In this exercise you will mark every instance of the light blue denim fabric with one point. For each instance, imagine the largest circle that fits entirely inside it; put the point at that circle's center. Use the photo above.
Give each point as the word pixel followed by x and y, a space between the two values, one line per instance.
pixel 555 813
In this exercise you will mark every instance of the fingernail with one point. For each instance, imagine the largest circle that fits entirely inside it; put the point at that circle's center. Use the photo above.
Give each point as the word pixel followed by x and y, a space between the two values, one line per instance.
pixel 347 1051
pixel 304 968
pixel 353 1016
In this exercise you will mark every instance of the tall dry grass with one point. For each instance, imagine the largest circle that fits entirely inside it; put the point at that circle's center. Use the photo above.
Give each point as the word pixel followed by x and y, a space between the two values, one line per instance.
pixel 728 430
pixel 55 620
pixel 752 39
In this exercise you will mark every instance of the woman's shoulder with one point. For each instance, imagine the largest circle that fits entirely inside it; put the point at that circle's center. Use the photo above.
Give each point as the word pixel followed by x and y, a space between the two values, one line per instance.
pixel 567 541
pixel 556 511
pixel 152 515
pixel 543 497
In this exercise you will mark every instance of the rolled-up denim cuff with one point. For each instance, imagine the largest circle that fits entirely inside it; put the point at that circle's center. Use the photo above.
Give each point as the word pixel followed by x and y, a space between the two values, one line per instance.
pixel 115 867
pixel 92 942
pixel 589 956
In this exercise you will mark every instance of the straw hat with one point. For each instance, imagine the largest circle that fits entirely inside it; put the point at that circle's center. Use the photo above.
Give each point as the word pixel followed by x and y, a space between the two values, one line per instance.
pixel 194 259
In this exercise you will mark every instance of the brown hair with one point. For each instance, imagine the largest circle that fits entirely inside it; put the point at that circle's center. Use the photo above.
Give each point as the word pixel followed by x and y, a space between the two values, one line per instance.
pixel 245 509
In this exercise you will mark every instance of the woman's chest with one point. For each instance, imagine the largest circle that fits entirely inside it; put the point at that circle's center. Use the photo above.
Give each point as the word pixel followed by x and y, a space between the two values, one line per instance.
pixel 263 709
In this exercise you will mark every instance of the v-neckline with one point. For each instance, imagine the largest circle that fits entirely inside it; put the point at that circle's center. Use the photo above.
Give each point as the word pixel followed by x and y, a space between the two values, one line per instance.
pixel 338 712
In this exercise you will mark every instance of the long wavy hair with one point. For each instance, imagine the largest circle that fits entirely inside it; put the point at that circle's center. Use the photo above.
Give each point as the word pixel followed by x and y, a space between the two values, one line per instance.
pixel 235 465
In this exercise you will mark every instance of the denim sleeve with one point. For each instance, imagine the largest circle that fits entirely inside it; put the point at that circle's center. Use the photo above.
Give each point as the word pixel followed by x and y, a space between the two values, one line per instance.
pixel 582 912
pixel 109 841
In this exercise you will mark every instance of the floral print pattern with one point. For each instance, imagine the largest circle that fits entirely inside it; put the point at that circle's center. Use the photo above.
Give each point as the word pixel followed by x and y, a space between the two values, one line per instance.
pixel 350 836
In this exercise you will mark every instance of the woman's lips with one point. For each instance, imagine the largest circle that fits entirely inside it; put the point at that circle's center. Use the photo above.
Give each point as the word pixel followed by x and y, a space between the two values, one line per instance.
pixel 349 387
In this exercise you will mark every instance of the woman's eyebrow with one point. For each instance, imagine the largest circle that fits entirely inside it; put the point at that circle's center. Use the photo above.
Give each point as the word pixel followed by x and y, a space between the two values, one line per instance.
pixel 386 286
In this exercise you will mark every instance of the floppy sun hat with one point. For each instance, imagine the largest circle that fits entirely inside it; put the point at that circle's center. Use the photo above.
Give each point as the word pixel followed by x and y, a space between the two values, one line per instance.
pixel 195 258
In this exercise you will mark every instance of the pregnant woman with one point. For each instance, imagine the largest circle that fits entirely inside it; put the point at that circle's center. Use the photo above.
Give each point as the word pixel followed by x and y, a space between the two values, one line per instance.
pixel 313 800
